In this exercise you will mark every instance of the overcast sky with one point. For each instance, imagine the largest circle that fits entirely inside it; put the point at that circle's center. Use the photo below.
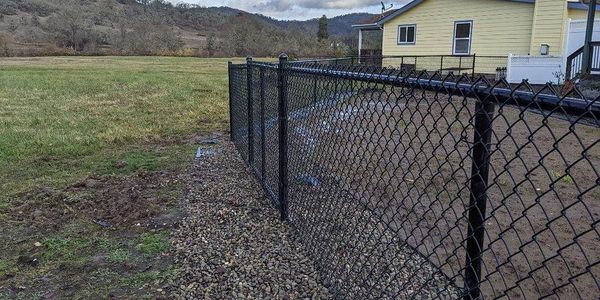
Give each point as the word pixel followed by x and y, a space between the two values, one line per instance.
pixel 300 9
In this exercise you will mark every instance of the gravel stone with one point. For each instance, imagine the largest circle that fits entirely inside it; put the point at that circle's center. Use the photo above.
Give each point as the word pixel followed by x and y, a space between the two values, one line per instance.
pixel 231 244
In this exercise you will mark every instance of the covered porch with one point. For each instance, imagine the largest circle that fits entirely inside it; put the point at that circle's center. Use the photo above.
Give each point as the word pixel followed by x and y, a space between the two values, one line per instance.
pixel 369 40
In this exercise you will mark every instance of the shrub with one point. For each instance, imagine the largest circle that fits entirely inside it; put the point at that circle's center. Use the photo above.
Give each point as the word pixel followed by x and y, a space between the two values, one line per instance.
pixel 5 50
pixel 8 8
pixel 37 7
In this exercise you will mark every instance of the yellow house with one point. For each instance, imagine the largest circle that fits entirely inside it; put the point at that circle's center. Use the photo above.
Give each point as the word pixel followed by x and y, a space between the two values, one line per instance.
pixel 481 27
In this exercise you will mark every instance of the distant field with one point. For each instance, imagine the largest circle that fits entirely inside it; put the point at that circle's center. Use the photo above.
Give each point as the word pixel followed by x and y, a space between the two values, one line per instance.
pixel 93 153
pixel 65 117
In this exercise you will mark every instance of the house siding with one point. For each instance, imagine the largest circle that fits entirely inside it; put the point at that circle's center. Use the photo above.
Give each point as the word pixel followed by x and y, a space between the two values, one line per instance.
pixel 549 26
pixel 579 14
pixel 499 27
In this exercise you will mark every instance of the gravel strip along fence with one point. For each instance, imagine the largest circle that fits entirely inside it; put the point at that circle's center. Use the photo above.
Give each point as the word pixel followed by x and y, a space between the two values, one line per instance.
pixel 232 245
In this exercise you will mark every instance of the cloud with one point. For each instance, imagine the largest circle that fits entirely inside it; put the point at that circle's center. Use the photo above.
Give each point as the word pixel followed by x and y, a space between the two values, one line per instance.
pixel 317 4
pixel 300 9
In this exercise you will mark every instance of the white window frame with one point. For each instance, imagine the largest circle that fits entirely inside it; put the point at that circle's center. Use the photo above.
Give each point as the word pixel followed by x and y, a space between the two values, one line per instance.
pixel 470 38
pixel 414 26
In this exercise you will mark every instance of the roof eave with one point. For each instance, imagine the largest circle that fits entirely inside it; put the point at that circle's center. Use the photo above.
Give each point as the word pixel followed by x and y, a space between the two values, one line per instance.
pixel 414 3
pixel 524 1
pixel 581 6
pixel 400 11
pixel 373 26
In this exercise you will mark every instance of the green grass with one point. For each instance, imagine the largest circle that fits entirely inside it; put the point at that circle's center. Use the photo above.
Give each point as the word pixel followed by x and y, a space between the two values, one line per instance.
pixel 67 117
pixel 565 178
pixel 140 278
pixel 119 256
pixel 66 249
pixel 6 267
pixel 72 248
pixel 152 244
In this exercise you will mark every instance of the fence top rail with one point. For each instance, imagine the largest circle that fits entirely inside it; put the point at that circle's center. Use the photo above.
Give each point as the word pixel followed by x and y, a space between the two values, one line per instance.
pixel 369 57
pixel 547 98
pixel 265 64
pixel 327 59
pixel 317 60
pixel 238 66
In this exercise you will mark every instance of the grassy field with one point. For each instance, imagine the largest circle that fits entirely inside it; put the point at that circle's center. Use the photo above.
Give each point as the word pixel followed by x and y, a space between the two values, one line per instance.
pixel 77 135
pixel 63 118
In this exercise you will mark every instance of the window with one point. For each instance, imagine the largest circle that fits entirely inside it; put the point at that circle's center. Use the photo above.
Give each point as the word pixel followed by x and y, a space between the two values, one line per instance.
pixel 407 34
pixel 463 32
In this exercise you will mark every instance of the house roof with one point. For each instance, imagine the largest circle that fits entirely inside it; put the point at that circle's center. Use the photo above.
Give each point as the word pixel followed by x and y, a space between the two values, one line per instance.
pixel 378 21
pixel 374 22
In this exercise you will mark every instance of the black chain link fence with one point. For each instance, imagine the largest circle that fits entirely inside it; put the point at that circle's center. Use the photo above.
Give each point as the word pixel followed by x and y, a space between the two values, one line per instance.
pixel 415 185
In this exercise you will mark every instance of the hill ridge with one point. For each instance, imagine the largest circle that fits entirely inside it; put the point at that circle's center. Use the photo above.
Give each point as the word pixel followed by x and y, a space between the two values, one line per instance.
pixel 144 27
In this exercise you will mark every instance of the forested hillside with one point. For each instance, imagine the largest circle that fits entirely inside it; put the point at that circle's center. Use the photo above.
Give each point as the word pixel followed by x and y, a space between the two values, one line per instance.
pixel 156 27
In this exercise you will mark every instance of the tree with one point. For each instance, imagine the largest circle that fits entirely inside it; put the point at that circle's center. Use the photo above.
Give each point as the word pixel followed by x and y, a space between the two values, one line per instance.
pixel 210 44
pixel 323 32
pixel 35 21
pixel 70 29
pixel 144 3
pixel 12 26
pixel 4 47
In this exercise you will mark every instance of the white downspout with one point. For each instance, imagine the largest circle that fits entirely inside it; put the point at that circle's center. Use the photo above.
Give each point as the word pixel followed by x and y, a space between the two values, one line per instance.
pixel 508 68
pixel 566 47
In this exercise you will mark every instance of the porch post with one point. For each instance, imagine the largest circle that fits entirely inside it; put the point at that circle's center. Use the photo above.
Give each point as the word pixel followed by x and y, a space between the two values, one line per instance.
pixel 587 47
pixel 359 44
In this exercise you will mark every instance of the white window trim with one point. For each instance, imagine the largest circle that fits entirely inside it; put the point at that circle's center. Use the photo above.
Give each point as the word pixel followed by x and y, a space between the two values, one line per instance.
pixel 470 38
pixel 407 26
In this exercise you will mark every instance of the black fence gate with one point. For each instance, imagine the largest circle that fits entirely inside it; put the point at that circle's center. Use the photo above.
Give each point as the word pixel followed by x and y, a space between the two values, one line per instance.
pixel 416 185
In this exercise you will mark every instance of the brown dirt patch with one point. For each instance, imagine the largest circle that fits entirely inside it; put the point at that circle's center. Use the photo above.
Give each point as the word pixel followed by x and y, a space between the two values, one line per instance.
pixel 96 238
pixel 107 200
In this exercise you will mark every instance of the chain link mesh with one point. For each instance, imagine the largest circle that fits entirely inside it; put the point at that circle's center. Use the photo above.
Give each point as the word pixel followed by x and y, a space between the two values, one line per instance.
pixel 415 185
pixel 238 90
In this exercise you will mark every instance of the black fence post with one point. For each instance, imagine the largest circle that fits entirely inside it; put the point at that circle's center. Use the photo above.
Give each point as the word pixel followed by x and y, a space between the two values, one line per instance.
pixel 315 89
pixel 250 111
pixel 587 59
pixel 484 113
pixel 402 64
pixel 283 137
pixel 336 83
pixel 262 127
pixel 230 101
pixel 351 83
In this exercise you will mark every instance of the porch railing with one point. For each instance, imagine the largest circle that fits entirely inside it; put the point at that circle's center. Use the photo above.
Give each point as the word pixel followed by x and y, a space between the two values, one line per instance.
pixel 471 65
pixel 575 61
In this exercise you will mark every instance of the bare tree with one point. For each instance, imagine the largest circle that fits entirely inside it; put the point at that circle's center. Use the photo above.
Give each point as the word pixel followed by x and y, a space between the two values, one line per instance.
pixel 211 44
pixel 71 29
pixel 4 47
